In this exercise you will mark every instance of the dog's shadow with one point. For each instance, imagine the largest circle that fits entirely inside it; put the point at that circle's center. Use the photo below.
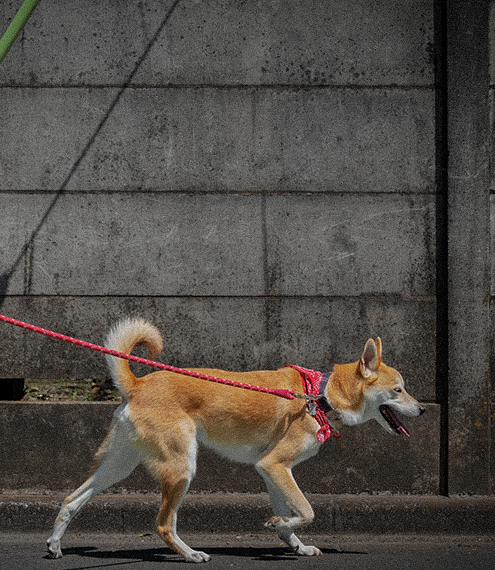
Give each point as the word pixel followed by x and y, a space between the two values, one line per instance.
pixel 162 555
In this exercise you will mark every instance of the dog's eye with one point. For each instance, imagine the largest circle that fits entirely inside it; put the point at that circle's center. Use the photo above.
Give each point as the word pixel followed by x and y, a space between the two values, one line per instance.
pixel 398 390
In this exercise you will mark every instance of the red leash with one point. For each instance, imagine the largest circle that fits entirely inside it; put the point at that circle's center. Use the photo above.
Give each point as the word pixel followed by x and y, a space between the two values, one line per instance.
pixel 287 394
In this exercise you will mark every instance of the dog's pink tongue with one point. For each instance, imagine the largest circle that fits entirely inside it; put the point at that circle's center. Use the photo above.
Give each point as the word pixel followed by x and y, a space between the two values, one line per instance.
pixel 392 419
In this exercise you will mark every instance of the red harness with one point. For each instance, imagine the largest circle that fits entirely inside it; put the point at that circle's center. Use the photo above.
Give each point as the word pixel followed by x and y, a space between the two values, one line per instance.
pixel 314 383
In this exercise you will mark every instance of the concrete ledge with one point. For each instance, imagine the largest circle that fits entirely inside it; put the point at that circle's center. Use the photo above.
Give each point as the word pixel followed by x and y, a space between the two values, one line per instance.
pixel 48 449
pixel 241 512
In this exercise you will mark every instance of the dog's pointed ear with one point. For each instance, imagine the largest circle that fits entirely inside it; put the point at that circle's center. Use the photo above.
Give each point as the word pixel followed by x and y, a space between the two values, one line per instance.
pixel 370 359
pixel 378 343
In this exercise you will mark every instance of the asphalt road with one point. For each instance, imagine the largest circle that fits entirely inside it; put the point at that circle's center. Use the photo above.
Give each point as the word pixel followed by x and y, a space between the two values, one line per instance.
pixel 264 551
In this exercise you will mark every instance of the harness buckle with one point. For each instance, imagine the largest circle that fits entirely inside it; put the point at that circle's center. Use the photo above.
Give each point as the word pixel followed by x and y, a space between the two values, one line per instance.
pixel 324 404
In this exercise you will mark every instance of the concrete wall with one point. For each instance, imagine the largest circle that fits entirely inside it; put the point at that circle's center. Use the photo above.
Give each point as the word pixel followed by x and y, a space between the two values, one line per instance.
pixel 263 180
pixel 278 172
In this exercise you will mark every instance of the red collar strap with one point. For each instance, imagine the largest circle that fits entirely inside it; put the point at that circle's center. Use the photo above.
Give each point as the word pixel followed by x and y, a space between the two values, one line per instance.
pixel 314 384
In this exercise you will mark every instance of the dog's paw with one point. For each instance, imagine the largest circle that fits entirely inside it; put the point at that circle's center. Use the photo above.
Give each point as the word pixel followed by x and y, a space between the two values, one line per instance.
pixel 54 550
pixel 277 522
pixel 197 556
pixel 303 550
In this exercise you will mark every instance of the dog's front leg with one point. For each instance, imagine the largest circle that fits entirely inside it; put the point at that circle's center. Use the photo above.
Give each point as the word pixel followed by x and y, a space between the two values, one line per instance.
pixel 287 500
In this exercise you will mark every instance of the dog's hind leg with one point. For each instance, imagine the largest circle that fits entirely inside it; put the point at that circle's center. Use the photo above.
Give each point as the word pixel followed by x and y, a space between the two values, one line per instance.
pixel 285 505
pixel 175 473
pixel 120 459
pixel 172 495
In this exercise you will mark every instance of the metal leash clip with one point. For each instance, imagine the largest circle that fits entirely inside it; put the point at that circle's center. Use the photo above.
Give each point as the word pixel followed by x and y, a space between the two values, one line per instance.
pixel 312 408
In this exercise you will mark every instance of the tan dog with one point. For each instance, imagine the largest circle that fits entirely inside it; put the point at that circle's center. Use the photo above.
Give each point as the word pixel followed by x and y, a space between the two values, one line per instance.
pixel 164 416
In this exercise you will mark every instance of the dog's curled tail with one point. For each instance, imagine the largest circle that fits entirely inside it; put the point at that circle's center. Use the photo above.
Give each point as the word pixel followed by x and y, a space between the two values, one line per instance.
pixel 125 336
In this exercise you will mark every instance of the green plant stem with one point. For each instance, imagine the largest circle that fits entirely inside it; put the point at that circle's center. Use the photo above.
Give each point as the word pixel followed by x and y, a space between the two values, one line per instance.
pixel 16 26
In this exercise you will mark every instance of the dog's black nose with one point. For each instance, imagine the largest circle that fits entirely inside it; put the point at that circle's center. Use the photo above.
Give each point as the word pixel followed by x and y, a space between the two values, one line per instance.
pixel 422 410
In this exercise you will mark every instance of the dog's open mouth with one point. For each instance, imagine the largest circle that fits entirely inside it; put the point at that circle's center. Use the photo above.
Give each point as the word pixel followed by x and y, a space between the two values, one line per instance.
pixel 392 421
